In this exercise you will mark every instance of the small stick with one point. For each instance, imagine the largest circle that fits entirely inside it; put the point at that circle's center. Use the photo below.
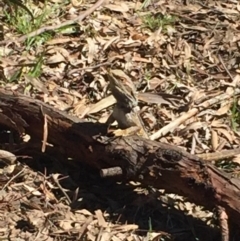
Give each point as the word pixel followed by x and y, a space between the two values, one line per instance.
pixel 224 66
pixel 110 172
pixel 223 221
pixel 60 187
pixel 89 67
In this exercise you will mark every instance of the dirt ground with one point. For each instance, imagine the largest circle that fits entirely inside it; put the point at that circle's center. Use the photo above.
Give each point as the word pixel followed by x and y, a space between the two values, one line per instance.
pixel 185 52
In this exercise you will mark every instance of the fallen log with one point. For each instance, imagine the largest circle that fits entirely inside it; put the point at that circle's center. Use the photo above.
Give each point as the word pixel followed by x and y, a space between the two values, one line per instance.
pixel 131 158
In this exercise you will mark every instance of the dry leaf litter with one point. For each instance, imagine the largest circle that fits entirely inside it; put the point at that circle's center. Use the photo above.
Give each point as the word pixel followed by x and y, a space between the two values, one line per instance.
pixel 183 57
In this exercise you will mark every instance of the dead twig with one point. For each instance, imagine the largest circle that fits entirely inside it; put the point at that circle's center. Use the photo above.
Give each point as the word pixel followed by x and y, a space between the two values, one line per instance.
pixel 45 133
pixel 55 179
pixel 224 66
pixel 14 177
pixel 223 221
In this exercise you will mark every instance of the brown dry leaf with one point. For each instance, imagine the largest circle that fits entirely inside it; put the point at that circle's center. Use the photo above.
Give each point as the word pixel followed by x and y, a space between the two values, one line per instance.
pixel 102 104
pixel 165 64
pixel 214 140
pixel 129 131
pixel 154 83
pixel 8 169
pixel 199 28
pixel 140 59
pixel 92 49
pixel 55 58
pixel 101 219
pixel 32 190
pixel 139 36
pixel 118 6
pixel 58 55
pixel 225 132
pixel 37 83
pixel 66 225
pixel 104 118
pixel 224 109
pixel 187 54
pixel 150 119
pixel 193 126
pixel 126 227
pixel 218 123
pixel 84 212
pixel 108 43
pixel 236 159
pixel 160 98
pixel 66 91
pixel 7 157
pixel 128 43
pixel 81 109
pixel 60 40
pixel 76 3
pixel 47 193
pixel 165 113
pixel 36 218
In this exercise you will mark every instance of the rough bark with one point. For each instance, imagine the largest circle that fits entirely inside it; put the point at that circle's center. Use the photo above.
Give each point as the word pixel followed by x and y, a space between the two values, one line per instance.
pixel 153 163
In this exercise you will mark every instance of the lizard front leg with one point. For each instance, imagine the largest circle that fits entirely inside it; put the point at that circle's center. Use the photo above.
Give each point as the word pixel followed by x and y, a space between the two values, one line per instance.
pixel 128 121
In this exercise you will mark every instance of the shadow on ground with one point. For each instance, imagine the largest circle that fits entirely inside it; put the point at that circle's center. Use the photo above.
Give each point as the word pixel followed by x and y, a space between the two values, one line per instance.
pixel 126 202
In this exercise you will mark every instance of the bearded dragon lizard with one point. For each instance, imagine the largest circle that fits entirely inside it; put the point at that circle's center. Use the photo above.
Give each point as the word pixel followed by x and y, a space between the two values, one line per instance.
pixel 126 110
